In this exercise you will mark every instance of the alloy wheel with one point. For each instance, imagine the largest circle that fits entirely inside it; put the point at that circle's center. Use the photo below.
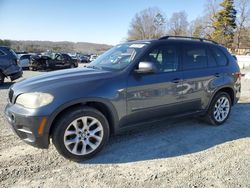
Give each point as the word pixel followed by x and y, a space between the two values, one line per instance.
pixel 83 135
pixel 221 109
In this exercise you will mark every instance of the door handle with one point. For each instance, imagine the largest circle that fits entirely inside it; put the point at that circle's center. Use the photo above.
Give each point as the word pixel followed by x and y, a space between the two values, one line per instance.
pixel 176 80
pixel 217 74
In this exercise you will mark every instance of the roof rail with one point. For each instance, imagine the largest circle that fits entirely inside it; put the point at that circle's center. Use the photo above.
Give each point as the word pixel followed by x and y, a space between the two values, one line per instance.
pixel 184 37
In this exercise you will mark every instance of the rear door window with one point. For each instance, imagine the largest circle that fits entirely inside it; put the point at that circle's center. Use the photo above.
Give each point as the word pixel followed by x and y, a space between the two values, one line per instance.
pixel 211 59
pixel 220 57
pixel 194 57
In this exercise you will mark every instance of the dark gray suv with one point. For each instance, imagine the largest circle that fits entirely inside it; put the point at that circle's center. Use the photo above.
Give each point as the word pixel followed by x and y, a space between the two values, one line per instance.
pixel 132 83
pixel 9 65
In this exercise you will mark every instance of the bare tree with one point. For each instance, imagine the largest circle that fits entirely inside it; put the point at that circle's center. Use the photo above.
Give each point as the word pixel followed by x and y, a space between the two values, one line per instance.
pixel 243 9
pixel 210 10
pixel 147 24
pixel 178 24
pixel 197 28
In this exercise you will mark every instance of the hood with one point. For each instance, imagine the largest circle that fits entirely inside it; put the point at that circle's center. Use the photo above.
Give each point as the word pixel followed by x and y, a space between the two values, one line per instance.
pixel 59 79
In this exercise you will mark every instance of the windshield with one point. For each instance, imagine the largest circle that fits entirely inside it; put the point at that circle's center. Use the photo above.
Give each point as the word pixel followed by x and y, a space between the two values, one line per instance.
pixel 118 57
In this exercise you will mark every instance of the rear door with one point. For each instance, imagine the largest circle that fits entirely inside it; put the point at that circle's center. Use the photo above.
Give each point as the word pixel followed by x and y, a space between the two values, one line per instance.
pixel 67 60
pixel 58 61
pixel 200 71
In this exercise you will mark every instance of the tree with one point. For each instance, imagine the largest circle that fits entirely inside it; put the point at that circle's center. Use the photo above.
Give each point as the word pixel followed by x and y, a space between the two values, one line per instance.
pixel 197 28
pixel 178 24
pixel 243 9
pixel 5 43
pixel 225 23
pixel 207 20
pixel 147 24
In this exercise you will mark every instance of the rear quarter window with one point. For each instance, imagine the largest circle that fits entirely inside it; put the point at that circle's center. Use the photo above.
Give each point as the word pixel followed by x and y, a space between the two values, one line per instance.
pixel 220 57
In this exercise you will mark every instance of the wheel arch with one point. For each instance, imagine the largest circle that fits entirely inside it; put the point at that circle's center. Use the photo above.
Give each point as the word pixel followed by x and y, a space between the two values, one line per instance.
pixel 105 107
pixel 227 89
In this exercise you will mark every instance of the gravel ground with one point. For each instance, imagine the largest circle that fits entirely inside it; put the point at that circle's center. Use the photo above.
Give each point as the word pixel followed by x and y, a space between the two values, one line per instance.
pixel 182 153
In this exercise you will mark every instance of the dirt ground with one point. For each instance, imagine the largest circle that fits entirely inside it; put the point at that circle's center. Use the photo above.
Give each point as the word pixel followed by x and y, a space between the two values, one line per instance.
pixel 182 153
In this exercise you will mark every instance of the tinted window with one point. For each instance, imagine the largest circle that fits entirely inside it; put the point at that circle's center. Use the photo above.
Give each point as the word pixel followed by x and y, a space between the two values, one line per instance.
pixel 164 57
pixel 25 57
pixel 194 57
pixel 58 57
pixel 220 57
pixel 211 59
pixel 66 57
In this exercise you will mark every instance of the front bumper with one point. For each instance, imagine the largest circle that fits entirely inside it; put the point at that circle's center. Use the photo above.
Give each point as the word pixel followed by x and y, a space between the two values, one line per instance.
pixel 26 127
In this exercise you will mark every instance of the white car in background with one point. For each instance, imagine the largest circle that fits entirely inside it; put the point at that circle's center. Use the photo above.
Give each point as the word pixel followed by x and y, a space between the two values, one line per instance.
pixel 93 57
pixel 24 60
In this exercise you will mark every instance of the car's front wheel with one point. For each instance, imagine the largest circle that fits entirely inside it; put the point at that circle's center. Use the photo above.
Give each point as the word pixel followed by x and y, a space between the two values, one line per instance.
pixel 219 109
pixel 81 133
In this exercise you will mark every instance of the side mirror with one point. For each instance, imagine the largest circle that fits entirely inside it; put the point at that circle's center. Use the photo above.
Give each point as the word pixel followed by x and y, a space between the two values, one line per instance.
pixel 146 68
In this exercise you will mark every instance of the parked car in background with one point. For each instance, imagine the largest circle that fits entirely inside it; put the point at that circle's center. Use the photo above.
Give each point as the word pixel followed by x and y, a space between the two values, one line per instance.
pixel 55 61
pixel 9 64
pixel 129 85
pixel 84 59
pixel 24 60
pixel 93 57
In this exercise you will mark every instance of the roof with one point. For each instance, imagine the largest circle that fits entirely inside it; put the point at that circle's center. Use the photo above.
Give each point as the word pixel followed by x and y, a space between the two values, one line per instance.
pixel 176 39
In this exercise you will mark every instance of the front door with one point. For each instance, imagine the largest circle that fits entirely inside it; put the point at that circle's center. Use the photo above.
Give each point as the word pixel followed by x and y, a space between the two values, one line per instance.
pixel 157 94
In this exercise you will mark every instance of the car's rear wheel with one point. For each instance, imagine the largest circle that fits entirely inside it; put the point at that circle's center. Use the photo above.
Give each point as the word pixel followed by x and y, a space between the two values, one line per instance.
pixel 81 133
pixel 219 109
pixel 2 77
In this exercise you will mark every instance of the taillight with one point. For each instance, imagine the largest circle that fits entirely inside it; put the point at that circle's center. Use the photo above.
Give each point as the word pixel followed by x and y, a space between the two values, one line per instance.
pixel 238 75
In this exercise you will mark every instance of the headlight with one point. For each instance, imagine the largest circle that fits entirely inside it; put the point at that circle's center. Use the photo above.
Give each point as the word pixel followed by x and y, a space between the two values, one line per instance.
pixel 34 100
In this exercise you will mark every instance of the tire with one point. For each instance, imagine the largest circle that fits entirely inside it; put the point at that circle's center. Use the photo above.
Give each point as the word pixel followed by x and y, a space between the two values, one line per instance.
pixel 2 77
pixel 72 66
pixel 77 142
pixel 217 114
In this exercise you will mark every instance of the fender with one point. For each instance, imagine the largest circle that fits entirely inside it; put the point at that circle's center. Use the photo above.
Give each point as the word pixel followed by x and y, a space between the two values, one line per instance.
pixel 218 89
pixel 108 104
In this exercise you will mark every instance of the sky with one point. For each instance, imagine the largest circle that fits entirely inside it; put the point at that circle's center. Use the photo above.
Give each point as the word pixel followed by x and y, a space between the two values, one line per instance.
pixel 96 21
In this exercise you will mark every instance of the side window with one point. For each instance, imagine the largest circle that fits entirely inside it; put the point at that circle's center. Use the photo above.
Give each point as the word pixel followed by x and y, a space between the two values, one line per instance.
pixel 194 57
pixel 65 57
pixel 165 58
pixel 58 57
pixel 220 57
pixel 211 59
pixel 2 53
